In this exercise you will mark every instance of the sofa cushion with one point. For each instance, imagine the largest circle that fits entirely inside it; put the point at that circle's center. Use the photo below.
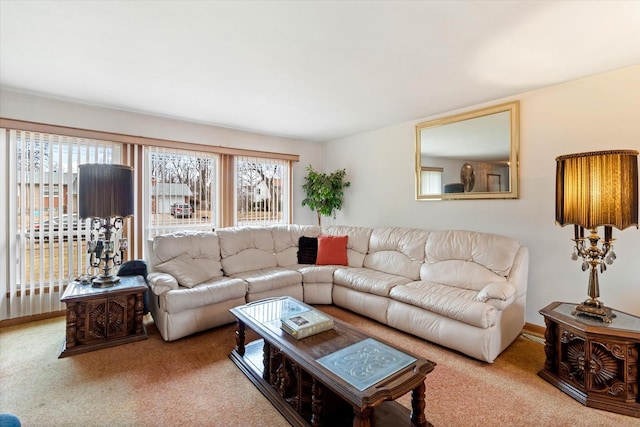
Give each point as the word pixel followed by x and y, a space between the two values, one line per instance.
pixel 332 250
pixel 494 252
pixel 397 250
pixel 211 292
pixel 367 280
pixel 448 301
pixel 286 238
pixel 246 249
pixel 187 271
pixel 196 244
pixel 317 273
pixel 307 250
pixel 462 274
pixel 357 244
pixel 269 279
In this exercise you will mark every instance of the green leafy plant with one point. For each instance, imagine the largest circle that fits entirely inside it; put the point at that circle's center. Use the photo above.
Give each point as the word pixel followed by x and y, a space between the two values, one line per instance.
pixel 324 191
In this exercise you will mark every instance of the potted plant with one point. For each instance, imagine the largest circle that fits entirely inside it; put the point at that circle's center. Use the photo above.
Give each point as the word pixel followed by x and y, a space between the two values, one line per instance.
pixel 324 191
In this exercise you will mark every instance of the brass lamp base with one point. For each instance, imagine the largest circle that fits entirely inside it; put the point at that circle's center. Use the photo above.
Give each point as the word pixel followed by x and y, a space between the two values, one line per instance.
pixel 594 308
pixel 105 281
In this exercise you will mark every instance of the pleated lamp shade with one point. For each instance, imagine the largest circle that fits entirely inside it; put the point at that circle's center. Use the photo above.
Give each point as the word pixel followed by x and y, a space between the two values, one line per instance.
pixel 105 191
pixel 597 188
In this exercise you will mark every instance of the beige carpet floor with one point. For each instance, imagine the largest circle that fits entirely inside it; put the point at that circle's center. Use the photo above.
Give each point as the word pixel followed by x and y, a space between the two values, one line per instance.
pixel 192 382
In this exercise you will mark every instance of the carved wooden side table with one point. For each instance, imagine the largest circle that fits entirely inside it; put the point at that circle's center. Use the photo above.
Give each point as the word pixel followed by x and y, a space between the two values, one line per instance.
pixel 104 317
pixel 594 362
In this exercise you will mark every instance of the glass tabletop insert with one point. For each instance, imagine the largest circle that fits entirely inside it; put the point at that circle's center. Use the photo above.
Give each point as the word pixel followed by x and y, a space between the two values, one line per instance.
pixel 366 363
pixel 265 311
pixel 622 321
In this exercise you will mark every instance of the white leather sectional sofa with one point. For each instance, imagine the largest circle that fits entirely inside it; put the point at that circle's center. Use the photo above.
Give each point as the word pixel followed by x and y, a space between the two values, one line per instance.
pixel 461 289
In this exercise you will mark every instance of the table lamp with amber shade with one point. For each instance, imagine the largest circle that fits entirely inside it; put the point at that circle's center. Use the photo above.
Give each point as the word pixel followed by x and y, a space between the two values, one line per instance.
pixel 596 189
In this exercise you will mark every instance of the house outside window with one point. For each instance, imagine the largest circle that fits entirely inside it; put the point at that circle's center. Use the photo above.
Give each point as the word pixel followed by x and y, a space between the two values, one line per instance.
pixel 262 191
pixel 182 190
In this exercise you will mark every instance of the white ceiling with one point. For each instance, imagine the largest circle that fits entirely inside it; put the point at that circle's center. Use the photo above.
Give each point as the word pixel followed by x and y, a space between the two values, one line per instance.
pixel 312 70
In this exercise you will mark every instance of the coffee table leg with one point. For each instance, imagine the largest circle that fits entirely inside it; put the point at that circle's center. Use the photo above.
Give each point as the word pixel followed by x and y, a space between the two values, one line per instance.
pixel 240 338
pixel 317 401
pixel 266 361
pixel 362 419
pixel 418 418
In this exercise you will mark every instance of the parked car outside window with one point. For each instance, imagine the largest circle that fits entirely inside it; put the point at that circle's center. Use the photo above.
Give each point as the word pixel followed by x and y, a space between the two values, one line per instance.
pixel 181 210
pixel 53 225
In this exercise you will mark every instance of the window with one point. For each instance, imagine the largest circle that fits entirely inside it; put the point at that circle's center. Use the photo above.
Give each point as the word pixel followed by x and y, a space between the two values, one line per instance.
pixel 46 237
pixel 49 191
pixel 182 188
pixel 177 186
pixel 430 180
pixel 262 191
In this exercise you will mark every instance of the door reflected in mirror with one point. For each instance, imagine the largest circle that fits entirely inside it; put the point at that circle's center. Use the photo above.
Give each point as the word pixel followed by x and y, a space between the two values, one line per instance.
pixel 472 155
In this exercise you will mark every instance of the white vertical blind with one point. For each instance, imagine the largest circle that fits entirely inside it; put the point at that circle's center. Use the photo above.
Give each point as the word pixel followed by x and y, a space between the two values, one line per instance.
pixel 431 181
pixel 133 156
pixel 183 178
pixel 262 191
pixel 44 236
pixel 43 241
pixel 7 244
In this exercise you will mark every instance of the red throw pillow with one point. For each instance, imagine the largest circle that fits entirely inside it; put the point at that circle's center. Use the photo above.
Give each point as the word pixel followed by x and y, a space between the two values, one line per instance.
pixel 332 250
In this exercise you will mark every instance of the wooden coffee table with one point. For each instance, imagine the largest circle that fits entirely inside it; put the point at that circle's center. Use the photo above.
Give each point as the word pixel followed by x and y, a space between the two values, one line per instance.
pixel 308 380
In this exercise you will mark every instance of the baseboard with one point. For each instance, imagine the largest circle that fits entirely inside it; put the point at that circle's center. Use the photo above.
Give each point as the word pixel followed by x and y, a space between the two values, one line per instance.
pixel 34 318
pixel 534 329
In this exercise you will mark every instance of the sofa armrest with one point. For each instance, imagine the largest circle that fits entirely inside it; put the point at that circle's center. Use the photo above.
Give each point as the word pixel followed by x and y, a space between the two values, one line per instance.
pixel 161 282
pixel 503 291
pixel 519 274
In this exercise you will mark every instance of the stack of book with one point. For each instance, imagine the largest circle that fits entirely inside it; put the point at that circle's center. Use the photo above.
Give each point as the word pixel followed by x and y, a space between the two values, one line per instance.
pixel 302 325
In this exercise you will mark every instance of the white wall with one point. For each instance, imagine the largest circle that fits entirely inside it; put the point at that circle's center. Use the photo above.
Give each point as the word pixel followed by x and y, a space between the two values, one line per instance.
pixel 595 113
pixel 27 107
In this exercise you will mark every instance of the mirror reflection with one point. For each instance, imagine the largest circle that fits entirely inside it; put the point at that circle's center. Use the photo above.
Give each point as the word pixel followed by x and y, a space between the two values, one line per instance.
pixel 472 155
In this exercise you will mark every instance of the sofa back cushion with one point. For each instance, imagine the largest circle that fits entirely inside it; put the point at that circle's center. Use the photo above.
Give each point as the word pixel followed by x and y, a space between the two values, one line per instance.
pixel 468 259
pixel 202 246
pixel 357 241
pixel 286 239
pixel 186 270
pixel 397 250
pixel 246 249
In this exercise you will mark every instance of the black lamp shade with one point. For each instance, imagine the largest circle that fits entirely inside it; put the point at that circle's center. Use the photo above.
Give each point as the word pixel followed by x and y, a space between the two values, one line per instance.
pixel 105 191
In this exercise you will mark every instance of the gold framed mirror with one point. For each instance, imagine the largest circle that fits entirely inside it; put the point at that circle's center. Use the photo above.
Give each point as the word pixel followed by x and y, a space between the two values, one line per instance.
pixel 472 155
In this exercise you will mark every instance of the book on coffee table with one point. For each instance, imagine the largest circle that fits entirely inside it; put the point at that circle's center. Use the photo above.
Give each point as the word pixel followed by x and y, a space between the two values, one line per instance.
pixel 302 325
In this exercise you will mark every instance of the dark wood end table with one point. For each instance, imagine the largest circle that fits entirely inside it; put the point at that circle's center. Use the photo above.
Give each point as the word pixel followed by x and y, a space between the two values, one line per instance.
pixel 594 362
pixel 103 317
